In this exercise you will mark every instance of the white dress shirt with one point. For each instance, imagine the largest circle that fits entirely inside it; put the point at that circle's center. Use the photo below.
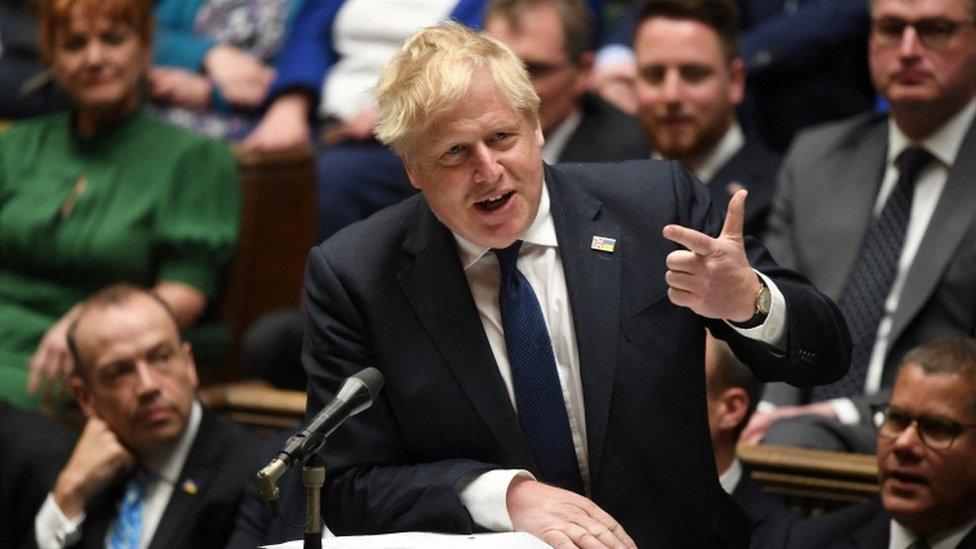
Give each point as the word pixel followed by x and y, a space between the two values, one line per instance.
pixel 541 263
pixel 732 140
pixel 900 538
pixel 557 138
pixel 944 145
pixel 731 477
pixel 53 530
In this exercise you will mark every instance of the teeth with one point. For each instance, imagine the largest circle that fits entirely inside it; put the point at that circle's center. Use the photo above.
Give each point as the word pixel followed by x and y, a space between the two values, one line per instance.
pixel 494 198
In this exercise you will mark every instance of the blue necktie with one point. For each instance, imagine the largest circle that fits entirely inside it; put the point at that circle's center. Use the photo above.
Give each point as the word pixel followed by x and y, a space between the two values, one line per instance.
pixel 128 527
pixel 868 285
pixel 538 394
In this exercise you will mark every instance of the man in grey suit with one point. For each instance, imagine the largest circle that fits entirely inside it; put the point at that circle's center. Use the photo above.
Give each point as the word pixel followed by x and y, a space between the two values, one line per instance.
pixel 899 252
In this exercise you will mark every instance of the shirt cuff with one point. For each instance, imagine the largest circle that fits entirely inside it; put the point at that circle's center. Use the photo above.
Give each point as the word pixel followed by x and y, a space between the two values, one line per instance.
pixel 52 529
pixel 765 406
pixel 773 330
pixel 484 498
pixel 846 411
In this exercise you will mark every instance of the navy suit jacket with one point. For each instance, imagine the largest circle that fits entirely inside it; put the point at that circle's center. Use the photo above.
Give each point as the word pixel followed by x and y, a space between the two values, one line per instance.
pixel 768 517
pixel 390 292
pixel 752 168
pixel 201 516
pixel 863 526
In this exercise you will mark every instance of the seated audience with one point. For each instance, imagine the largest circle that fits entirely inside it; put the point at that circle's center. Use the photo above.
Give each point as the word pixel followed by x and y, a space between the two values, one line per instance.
pixel 213 61
pixel 552 37
pixel 803 62
pixel 689 82
pixel 926 466
pixel 29 444
pixel 152 467
pixel 102 194
pixel 733 393
pixel 878 212
pixel 326 70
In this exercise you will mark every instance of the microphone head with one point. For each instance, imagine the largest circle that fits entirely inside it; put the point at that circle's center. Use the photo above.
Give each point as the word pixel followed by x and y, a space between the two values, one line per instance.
pixel 372 379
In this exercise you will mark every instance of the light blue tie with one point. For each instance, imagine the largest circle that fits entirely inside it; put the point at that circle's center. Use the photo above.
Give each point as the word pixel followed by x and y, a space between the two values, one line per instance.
pixel 128 527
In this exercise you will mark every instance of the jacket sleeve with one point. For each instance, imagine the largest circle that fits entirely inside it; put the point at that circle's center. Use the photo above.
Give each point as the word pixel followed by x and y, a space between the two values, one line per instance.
pixel 373 483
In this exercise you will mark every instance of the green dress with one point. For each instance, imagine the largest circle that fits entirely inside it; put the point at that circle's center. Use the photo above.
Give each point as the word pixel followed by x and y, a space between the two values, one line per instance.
pixel 141 202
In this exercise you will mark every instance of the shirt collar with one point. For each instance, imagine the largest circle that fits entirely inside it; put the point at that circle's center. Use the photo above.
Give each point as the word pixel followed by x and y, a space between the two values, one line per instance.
pixel 725 149
pixel 733 140
pixel 168 464
pixel 901 537
pixel 542 232
pixel 944 143
pixel 559 136
pixel 731 477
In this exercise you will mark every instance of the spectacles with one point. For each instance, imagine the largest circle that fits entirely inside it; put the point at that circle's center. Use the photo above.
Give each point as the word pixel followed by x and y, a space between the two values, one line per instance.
pixel 936 432
pixel 933 33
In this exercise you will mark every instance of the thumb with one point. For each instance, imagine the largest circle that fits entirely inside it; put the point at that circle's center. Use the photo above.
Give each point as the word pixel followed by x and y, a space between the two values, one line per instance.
pixel 735 216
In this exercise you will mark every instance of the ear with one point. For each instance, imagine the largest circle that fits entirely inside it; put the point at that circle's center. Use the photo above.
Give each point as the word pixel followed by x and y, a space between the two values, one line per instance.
pixel 540 139
pixel 186 353
pixel 737 81
pixel 83 396
pixel 734 402
pixel 411 172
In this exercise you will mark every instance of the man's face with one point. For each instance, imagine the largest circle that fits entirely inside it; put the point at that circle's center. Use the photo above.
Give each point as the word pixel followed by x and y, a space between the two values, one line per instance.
pixel 140 379
pixel 687 90
pixel 909 73
pixel 480 167
pixel 539 41
pixel 928 490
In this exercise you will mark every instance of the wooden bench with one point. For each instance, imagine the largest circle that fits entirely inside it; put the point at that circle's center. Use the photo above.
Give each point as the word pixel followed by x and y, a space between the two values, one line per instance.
pixel 277 232
pixel 812 482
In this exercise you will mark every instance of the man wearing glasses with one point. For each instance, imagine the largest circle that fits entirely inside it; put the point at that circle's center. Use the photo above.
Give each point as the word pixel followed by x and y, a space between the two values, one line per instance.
pixel 926 461
pixel 879 212
pixel 553 38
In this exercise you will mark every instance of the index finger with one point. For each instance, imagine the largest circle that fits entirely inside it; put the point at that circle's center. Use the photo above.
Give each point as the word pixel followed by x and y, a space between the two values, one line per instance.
pixel 698 242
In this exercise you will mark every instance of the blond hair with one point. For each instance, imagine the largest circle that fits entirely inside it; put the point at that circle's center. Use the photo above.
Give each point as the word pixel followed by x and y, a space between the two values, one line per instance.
pixel 433 70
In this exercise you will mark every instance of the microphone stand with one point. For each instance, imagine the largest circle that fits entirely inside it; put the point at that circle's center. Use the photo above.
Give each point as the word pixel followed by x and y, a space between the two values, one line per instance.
pixel 313 477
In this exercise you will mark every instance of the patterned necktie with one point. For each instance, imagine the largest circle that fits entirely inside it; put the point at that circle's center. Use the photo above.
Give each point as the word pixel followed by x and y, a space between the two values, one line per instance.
pixel 868 285
pixel 538 394
pixel 128 526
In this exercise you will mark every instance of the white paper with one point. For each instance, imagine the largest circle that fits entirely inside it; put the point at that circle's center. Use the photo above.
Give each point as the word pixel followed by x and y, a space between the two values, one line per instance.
pixel 423 540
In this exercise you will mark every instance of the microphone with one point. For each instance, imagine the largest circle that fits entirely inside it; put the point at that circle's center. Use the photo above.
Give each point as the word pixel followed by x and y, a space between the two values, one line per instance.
pixel 355 395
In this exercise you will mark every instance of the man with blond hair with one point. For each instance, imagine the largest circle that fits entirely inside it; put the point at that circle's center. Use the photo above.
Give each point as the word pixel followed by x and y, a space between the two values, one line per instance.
pixel 542 343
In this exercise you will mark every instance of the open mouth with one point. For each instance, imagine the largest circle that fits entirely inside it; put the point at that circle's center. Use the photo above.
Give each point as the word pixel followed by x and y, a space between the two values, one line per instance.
pixel 495 202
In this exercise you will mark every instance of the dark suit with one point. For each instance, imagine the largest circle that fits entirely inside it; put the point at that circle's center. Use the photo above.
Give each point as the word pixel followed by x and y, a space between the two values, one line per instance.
pixel 863 526
pixel 29 443
pixel 605 134
pixel 752 168
pixel 203 519
pixel 768 517
pixel 826 192
pixel 390 293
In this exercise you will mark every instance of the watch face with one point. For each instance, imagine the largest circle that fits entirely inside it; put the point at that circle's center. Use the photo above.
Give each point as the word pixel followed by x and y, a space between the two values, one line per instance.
pixel 764 301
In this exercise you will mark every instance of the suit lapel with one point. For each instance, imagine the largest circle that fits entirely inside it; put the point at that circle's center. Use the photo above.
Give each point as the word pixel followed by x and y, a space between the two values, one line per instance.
pixel 593 282
pixel 852 185
pixel 198 470
pixel 874 533
pixel 952 217
pixel 455 327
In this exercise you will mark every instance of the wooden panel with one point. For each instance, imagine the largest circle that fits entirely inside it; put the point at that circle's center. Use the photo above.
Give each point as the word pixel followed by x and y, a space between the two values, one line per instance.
pixel 277 232
pixel 812 481
pixel 256 404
